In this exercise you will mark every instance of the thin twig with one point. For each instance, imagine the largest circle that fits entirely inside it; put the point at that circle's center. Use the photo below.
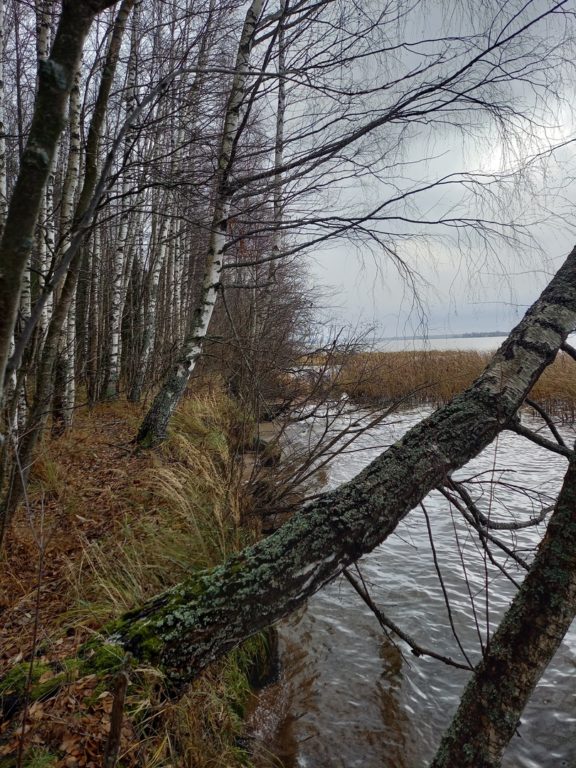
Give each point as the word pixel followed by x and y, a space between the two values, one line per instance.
pixel 494 525
pixel 467 581
pixel 485 537
pixel 543 442
pixel 387 623
pixel 545 417
pixel 443 586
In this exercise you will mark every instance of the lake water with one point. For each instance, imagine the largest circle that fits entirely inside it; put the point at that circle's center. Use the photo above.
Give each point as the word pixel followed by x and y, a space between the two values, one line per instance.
pixel 349 696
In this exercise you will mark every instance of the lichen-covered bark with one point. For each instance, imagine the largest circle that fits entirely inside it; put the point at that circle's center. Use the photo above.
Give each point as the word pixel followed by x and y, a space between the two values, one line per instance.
pixel 188 626
pixel 522 647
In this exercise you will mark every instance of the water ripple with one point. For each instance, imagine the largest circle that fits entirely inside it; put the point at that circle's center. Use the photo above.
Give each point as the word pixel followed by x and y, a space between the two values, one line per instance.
pixel 354 698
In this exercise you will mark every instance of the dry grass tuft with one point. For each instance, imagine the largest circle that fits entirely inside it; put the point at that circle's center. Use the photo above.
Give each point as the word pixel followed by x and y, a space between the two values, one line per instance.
pixel 189 518
pixel 189 515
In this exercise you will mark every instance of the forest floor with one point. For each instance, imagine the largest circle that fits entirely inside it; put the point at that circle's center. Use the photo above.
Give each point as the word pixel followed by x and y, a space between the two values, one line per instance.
pixel 92 493
pixel 84 484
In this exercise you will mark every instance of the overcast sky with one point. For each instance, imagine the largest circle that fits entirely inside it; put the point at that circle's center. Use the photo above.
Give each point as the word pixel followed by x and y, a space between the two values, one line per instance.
pixel 462 286
pixel 454 298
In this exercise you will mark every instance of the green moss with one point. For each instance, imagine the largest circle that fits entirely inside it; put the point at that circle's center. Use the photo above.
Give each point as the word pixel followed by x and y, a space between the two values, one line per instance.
pixel 145 643
pixel 40 758
pixel 15 681
pixel 99 657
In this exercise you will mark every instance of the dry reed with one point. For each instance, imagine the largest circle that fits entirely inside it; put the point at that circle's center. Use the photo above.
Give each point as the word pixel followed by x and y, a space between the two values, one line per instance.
pixel 434 377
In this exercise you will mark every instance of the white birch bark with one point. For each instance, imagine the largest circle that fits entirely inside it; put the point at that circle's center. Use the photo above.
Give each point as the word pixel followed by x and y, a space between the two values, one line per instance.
pixel 42 9
pixel 46 242
pixel 156 421
pixel 66 218
pixel 94 318
pixel 26 296
pixel 43 272
pixel 159 250
pixel 119 261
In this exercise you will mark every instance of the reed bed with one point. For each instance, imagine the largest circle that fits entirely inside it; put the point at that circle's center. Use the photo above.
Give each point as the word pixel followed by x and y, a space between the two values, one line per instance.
pixel 556 388
pixel 433 377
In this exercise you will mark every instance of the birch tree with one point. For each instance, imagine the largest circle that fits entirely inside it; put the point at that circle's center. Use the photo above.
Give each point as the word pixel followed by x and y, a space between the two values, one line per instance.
pixel 55 82
pixel 120 255
pixel 154 426
pixel 67 357
pixel 190 625
pixel 3 178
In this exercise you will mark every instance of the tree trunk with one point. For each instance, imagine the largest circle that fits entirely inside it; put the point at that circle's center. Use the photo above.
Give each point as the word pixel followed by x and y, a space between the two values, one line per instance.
pixel 153 428
pixel 63 415
pixel 120 254
pixel 160 247
pixel 3 179
pixel 94 321
pixel 185 628
pixel 521 648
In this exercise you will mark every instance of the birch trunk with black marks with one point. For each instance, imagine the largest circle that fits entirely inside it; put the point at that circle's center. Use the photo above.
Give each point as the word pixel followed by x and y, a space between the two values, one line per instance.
pixel 190 625
pixel 45 232
pixel 42 10
pixel 120 254
pixel 521 648
pixel 64 382
pixel 3 177
pixel 153 428
pixel 63 417
pixel 160 246
pixel 94 315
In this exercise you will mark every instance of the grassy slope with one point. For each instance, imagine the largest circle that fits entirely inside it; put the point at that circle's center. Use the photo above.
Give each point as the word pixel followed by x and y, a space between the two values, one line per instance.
pixel 104 529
